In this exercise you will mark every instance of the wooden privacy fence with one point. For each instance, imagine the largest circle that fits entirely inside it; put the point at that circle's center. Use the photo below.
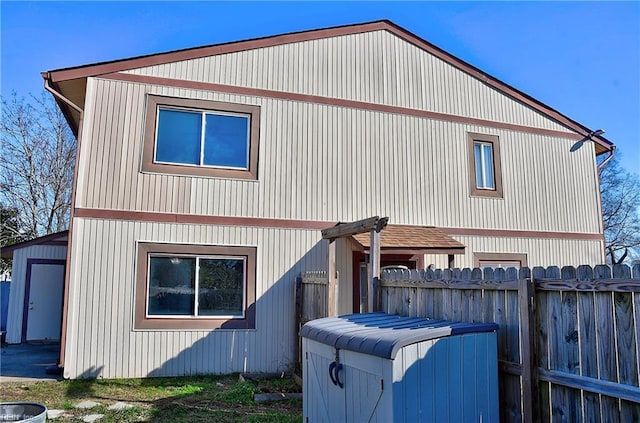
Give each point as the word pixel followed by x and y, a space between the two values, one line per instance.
pixel 311 301
pixel 568 343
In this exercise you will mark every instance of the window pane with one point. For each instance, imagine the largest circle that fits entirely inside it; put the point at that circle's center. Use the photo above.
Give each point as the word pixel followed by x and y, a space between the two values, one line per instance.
pixel 226 141
pixel 221 287
pixel 178 139
pixel 488 166
pixel 477 151
pixel 171 286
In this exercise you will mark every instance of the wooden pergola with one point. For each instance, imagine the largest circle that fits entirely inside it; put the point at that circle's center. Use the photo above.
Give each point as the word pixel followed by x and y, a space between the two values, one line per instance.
pixel 373 225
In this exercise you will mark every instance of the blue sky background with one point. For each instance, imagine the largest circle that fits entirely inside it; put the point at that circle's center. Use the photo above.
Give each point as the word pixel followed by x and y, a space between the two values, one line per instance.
pixel 581 58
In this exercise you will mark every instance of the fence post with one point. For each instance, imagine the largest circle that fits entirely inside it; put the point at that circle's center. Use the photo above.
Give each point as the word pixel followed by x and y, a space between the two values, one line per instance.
pixel 526 300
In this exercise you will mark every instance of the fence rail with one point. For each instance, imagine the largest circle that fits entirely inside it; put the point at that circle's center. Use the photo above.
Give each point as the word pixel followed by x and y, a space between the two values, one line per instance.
pixel 568 339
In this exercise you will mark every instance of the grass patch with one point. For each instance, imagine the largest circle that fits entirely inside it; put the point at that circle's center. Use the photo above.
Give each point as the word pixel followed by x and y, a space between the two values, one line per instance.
pixel 181 399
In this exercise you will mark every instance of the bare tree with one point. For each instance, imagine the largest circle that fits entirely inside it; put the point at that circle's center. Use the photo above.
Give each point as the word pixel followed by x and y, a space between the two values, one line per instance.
pixel 620 191
pixel 36 170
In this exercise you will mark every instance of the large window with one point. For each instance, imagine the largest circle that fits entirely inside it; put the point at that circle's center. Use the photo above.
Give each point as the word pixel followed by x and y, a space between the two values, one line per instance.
pixel 199 137
pixel 484 165
pixel 195 287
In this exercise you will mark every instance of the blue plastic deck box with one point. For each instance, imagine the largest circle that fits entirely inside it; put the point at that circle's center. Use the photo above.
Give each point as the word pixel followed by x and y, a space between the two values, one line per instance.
pixel 377 367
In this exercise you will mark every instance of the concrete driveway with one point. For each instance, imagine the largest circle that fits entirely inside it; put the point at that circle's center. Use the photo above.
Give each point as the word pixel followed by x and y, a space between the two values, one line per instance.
pixel 28 362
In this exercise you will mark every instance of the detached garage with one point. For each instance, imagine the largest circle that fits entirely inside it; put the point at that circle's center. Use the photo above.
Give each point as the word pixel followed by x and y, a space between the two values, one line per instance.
pixel 37 286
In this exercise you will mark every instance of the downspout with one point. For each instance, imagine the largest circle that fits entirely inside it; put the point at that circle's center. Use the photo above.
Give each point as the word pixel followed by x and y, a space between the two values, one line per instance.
pixel 67 275
pixel 609 157
pixel 59 96
pixel 598 169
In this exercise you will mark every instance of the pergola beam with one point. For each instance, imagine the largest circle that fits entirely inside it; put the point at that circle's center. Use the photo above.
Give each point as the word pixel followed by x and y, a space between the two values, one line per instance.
pixel 375 223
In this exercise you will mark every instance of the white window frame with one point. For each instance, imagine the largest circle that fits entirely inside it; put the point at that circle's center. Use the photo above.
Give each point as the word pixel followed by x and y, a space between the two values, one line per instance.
pixel 197 287
pixel 486 165
pixel 203 128
pixel 149 164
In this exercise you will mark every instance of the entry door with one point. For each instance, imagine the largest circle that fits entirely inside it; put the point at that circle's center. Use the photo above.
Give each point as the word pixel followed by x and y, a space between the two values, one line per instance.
pixel 360 274
pixel 43 306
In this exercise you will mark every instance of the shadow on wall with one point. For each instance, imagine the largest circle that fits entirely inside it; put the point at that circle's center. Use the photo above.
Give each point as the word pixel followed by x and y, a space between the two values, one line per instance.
pixel 270 347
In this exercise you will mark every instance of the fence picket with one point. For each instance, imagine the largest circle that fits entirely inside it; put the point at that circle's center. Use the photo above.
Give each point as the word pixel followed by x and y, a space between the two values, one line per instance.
pixel 581 315
pixel 626 343
pixel 583 323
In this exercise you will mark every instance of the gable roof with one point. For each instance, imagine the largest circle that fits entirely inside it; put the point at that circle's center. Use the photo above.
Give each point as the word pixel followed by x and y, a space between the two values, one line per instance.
pixel 57 239
pixel 405 237
pixel 71 82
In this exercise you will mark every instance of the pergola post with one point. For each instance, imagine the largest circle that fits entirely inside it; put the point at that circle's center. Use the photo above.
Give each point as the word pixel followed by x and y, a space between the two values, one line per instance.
pixel 373 269
pixel 374 225
pixel 332 293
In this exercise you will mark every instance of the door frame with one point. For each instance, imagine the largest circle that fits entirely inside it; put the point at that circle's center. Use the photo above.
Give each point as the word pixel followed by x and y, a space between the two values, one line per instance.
pixel 412 261
pixel 27 290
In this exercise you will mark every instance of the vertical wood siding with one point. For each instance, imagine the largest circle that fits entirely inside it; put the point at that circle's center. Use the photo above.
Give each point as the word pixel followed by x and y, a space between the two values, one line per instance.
pixel 540 252
pixel 319 162
pixel 18 283
pixel 101 341
pixel 376 67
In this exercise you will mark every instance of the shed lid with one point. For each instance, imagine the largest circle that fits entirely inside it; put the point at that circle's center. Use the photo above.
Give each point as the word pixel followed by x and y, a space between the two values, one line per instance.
pixel 383 334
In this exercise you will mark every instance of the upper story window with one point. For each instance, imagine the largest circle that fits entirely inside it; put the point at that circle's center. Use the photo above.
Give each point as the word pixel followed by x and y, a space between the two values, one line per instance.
pixel 201 137
pixel 483 153
pixel 484 165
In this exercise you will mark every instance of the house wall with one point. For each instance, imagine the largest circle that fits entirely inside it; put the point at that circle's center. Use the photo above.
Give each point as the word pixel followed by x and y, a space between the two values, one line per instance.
pixel 540 252
pixel 319 162
pixel 374 67
pixel 341 164
pixel 18 282
pixel 101 340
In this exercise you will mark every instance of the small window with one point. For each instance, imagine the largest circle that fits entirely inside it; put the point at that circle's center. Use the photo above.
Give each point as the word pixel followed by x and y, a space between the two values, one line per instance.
pixel 199 137
pixel 500 260
pixel 483 153
pixel 195 287
pixel 484 164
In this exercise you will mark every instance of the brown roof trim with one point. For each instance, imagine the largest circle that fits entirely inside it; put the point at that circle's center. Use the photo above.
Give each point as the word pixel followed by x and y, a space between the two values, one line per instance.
pixel 498 84
pixel 523 234
pixel 51 239
pixel 232 47
pixel 201 219
pixel 212 50
pixel 283 95
pixel 301 224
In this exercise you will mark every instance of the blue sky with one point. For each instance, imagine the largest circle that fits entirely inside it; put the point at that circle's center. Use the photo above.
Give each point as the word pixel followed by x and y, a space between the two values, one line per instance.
pixel 581 58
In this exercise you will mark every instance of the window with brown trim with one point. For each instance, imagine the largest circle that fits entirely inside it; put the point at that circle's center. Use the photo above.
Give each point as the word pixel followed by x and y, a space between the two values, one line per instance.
pixel 181 286
pixel 201 138
pixel 500 260
pixel 485 170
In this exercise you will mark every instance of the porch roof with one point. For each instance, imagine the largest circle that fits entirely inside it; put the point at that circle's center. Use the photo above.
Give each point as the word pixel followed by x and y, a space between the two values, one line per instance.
pixel 414 239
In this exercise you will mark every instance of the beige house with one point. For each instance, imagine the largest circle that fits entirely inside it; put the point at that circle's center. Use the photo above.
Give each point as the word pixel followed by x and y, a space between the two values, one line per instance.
pixel 204 177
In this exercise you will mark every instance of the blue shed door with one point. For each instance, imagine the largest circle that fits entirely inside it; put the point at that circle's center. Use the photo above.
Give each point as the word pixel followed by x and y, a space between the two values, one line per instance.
pixel 357 400
pixel 324 401
pixel 363 387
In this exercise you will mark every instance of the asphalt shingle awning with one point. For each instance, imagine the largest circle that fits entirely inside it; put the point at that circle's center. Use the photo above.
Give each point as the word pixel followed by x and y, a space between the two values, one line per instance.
pixel 414 239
